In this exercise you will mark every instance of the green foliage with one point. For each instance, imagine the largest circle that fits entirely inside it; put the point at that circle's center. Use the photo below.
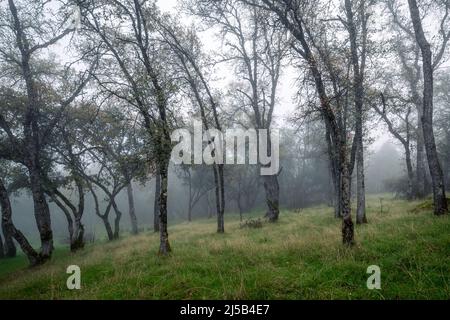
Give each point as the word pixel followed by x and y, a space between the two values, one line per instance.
pixel 301 257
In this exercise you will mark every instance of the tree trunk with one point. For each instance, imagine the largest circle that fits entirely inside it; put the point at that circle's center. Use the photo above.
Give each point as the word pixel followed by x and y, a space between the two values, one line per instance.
pixel 66 214
pixel 421 175
pixel 190 198
pixel 347 223
pixel 116 219
pixel 338 195
pixel 109 230
pixel 2 250
pixel 238 202
pixel 75 226
pixel 156 202
pixel 437 177
pixel 335 173
pixel 164 247
pixel 410 173
pixel 220 193
pixel 132 210
pixel 9 245
pixel 7 225
pixel 360 184
pixel 77 241
pixel 358 90
pixel 41 212
pixel 272 189
pixel 190 212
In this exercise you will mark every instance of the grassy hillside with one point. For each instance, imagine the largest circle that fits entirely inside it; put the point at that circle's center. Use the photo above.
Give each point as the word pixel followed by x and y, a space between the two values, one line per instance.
pixel 301 257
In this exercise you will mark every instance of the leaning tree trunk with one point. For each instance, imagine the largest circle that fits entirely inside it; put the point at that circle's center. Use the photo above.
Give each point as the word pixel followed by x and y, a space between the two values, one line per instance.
pixel 7 224
pixel 116 219
pixel 437 177
pixel 156 202
pixel 9 245
pixel 75 226
pixel 109 230
pixel 132 210
pixel 106 223
pixel 328 113
pixel 421 175
pixel 66 214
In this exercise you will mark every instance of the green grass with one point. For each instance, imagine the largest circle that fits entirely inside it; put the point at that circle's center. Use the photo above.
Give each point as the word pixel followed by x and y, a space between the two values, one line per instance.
pixel 301 257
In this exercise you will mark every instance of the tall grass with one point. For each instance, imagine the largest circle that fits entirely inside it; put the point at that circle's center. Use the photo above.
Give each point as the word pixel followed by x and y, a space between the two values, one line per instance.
pixel 301 257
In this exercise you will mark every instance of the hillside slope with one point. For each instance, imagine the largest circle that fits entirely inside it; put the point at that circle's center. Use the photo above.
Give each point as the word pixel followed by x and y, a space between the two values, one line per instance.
pixel 301 257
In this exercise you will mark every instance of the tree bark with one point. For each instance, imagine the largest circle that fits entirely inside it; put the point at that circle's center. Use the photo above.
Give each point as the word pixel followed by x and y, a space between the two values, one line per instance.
pixel 109 230
pixel 75 226
pixel 190 197
pixel 41 211
pixel 437 177
pixel 77 241
pixel 347 223
pixel 132 210
pixel 358 91
pixel 164 247
pixel 410 173
pixel 220 197
pixel 7 224
pixel 9 245
pixel 105 216
pixel 421 175
pixel 116 219
pixel 272 189
pixel 66 214
pixel 156 202
pixel 2 250
pixel 335 173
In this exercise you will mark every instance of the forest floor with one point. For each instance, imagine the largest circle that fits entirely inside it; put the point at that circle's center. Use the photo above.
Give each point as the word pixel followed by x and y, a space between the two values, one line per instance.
pixel 301 257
